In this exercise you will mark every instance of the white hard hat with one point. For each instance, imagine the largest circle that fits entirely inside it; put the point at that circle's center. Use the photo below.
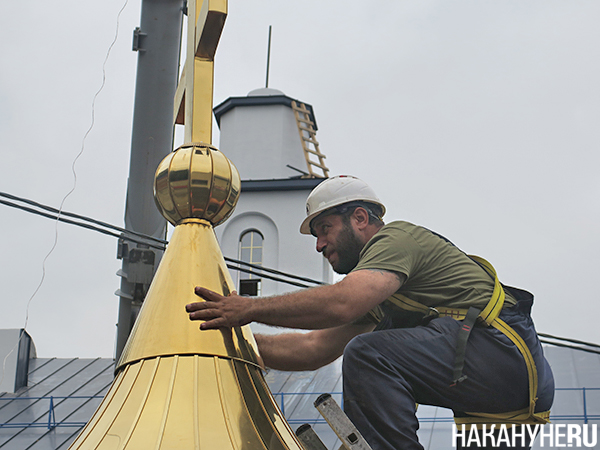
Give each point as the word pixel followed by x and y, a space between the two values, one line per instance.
pixel 336 191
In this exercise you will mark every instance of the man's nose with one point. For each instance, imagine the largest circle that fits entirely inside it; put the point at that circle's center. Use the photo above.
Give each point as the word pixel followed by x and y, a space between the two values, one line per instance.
pixel 321 244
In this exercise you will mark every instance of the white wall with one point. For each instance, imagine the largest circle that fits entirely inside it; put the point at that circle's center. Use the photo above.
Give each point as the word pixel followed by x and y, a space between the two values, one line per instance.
pixel 277 216
pixel 261 141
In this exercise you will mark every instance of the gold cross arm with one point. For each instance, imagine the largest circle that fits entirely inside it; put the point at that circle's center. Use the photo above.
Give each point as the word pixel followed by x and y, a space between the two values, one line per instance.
pixel 194 95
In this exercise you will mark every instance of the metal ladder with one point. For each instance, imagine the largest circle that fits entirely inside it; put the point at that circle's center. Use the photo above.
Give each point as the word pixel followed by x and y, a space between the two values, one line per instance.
pixel 339 423
pixel 308 138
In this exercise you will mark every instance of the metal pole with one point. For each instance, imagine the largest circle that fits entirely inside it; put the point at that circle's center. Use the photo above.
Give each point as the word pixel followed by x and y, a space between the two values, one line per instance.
pixel 51 416
pixel 157 41
pixel 585 416
pixel 268 57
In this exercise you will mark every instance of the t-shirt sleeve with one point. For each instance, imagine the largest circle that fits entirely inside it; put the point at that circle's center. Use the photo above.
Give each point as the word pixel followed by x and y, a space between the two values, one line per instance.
pixel 391 249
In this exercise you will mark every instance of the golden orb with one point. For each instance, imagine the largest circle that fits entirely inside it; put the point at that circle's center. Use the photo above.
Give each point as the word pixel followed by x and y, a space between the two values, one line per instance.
pixel 196 181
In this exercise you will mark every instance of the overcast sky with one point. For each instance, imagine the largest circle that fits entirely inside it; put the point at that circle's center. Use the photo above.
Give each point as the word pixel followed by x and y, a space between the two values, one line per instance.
pixel 479 119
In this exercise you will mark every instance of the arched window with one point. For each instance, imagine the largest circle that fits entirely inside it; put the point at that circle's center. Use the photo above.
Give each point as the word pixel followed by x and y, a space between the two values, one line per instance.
pixel 250 251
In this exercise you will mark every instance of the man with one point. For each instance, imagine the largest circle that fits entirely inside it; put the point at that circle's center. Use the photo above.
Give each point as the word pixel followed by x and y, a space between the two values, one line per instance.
pixel 440 319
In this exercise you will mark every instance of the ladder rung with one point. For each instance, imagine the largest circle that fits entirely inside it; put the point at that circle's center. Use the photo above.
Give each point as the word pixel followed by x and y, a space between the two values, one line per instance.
pixel 306 128
pixel 310 130
pixel 320 166
pixel 303 112
pixel 300 107
pixel 312 141
pixel 306 120
pixel 315 152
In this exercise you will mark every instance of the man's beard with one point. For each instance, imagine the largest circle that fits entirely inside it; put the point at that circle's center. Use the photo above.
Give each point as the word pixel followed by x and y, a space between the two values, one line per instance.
pixel 348 247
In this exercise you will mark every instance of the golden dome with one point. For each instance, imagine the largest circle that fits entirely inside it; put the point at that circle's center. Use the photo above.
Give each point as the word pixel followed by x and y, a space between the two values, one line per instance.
pixel 196 181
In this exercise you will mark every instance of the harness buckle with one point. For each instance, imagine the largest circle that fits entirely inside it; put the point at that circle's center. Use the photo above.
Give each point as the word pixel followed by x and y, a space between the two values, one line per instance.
pixel 431 314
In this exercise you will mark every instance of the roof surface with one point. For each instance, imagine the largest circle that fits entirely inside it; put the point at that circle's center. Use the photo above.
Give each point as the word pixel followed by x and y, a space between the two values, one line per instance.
pixel 75 387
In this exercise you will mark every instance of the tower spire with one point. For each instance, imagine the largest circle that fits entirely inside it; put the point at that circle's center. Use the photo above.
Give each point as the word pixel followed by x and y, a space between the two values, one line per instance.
pixel 268 58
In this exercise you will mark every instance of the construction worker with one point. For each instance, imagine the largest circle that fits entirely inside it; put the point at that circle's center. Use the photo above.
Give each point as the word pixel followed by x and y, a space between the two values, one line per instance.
pixel 440 321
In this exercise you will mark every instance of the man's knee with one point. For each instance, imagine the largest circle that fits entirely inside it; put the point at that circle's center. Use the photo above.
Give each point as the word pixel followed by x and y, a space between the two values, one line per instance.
pixel 359 352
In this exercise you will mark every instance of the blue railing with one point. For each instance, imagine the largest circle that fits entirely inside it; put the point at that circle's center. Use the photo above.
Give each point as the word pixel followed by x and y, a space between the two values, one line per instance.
pixel 585 415
pixel 51 422
pixel 281 397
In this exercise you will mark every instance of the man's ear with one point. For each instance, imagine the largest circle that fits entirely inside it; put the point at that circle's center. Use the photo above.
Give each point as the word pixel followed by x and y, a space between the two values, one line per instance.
pixel 361 216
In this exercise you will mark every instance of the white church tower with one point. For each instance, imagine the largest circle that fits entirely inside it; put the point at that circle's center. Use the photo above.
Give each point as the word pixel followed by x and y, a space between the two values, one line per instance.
pixel 271 139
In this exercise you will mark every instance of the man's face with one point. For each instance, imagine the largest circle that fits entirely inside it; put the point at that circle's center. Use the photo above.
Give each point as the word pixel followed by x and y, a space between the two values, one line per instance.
pixel 338 242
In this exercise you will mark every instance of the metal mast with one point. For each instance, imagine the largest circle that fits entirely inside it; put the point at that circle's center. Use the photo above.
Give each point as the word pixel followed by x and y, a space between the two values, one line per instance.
pixel 157 41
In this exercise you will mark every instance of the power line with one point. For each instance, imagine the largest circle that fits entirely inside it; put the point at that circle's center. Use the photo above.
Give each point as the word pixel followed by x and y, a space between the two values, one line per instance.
pixel 581 345
pixel 277 272
pixel 80 224
pixel 575 341
pixel 255 269
pixel 574 347
pixel 77 216
pixel 140 238
pixel 264 275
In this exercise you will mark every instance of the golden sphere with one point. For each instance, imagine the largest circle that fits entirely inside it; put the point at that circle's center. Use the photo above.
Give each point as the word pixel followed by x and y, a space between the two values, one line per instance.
pixel 196 181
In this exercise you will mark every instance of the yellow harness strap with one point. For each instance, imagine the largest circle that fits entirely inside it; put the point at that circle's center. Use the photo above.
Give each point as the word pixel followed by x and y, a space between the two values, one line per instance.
pixel 489 316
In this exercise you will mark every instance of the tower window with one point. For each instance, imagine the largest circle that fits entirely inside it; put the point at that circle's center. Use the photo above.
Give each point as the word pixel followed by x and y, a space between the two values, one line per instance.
pixel 251 250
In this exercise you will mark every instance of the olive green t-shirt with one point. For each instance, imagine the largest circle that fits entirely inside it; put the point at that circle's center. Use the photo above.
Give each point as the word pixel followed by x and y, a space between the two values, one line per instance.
pixel 437 272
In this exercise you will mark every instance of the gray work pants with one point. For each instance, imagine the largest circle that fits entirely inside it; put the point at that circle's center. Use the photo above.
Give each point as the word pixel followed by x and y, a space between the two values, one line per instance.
pixel 387 372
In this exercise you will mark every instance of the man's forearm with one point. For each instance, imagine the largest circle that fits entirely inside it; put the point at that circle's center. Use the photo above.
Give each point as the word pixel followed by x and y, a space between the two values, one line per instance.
pixel 311 309
pixel 316 308
pixel 287 351
pixel 306 351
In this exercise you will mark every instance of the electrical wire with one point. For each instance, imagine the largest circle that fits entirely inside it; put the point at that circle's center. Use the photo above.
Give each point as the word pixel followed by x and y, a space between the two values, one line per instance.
pixel 253 272
pixel 76 216
pixel 574 341
pixel 160 244
pixel 277 272
pixel 593 348
pixel 574 347
pixel 149 241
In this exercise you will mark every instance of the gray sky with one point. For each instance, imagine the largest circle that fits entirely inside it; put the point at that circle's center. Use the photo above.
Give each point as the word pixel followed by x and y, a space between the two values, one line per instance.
pixel 478 119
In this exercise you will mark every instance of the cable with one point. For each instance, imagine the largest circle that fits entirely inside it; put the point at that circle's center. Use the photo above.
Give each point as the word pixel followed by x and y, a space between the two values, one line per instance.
pixel 274 271
pixel 160 244
pixel 84 225
pixel 575 341
pixel 76 216
pixel 125 231
pixel 146 240
pixel 588 350
pixel 264 275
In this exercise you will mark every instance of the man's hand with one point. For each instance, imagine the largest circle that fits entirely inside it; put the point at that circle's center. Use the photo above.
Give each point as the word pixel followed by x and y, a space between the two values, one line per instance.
pixel 219 311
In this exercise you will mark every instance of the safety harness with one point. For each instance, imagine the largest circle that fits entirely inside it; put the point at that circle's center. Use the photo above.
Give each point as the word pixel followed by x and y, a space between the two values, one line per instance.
pixel 489 316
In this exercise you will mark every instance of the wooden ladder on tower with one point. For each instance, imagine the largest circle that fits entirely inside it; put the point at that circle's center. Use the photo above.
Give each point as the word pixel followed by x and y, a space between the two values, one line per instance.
pixel 308 138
